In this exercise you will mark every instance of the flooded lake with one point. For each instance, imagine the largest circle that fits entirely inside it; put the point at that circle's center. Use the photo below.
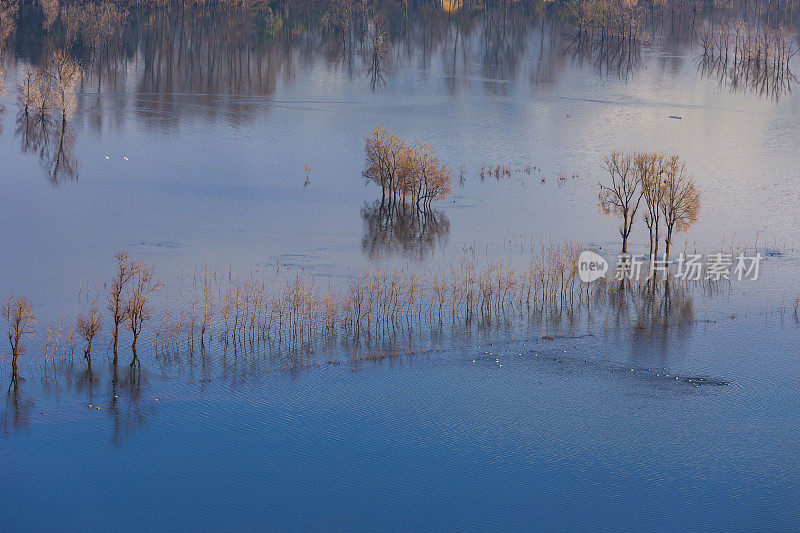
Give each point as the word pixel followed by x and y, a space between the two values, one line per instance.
pixel 485 386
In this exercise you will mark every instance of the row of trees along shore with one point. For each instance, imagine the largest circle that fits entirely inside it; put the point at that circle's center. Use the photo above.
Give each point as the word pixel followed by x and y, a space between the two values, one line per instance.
pixel 669 193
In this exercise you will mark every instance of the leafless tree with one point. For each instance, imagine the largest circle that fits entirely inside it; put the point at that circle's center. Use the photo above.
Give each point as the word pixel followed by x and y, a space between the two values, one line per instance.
pixel 66 73
pixel 89 327
pixel 43 105
pixel 621 195
pixel 115 293
pixel 680 204
pixel 405 172
pixel 50 10
pixel 18 313
pixel 650 168
pixel 28 89
pixel 8 15
pixel 137 304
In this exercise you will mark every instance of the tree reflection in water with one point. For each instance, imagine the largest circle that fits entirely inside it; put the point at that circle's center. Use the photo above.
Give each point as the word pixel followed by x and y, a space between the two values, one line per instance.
pixel 53 143
pixel 411 232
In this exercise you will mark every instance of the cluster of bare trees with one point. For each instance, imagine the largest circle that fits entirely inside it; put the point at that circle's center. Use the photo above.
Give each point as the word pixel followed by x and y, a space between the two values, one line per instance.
pixel 659 181
pixel 93 24
pixel 45 91
pixel 754 55
pixel 89 326
pixel 50 11
pixel 407 173
pixel 8 19
pixel 129 299
pixel 387 233
pixel 606 20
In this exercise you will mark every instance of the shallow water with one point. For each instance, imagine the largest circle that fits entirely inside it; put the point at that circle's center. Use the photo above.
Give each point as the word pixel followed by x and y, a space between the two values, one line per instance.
pixel 588 430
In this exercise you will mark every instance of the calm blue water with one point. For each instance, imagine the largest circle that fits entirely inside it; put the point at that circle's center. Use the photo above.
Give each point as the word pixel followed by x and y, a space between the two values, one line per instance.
pixel 435 440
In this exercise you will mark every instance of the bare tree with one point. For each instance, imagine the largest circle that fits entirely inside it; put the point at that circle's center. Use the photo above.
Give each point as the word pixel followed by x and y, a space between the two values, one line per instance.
pixel 43 105
pixel 377 170
pixel 66 73
pixel 650 168
pixel 680 204
pixel 28 89
pixel 137 304
pixel 50 10
pixel 622 195
pixel 18 313
pixel 378 54
pixel 405 171
pixel 115 291
pixel 89 327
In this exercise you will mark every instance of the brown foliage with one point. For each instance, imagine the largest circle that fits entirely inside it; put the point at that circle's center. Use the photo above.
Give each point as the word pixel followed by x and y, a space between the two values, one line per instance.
pixel 662 181
pixel 18 313
pixel 93 23
pixel 138 309
pixel 28 89
pixel 115 292
pixel 405 172
pixel 8 15
pixel 89 327
pixel 621 195
pixel 65 73
pixel 650 169
pixel 50 9
pixel 680 203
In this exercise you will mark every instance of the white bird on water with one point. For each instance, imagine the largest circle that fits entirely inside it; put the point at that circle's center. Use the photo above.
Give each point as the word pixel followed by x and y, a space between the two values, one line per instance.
pixel 125 157
pixel 108 157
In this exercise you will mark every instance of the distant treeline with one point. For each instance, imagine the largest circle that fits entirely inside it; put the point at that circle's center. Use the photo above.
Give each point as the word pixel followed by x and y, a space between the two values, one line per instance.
pixel 604 18
pixel 89 28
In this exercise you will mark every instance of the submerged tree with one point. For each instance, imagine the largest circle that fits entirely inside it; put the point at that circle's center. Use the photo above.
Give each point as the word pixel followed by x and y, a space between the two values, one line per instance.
pixel 115 292
pixel 66 73
pixel 89 327
pixel 621 195
pixel 18 313
pixel 43 102
pixel 407 174
pixel 50 9
pixel 28 90
pixel 137 305
pixel 680 203
pixel 651 175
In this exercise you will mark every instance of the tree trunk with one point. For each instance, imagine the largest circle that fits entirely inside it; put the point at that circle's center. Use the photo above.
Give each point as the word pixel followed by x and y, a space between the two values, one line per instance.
pixel 116 340
pixel 87 353
pixel 667 242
